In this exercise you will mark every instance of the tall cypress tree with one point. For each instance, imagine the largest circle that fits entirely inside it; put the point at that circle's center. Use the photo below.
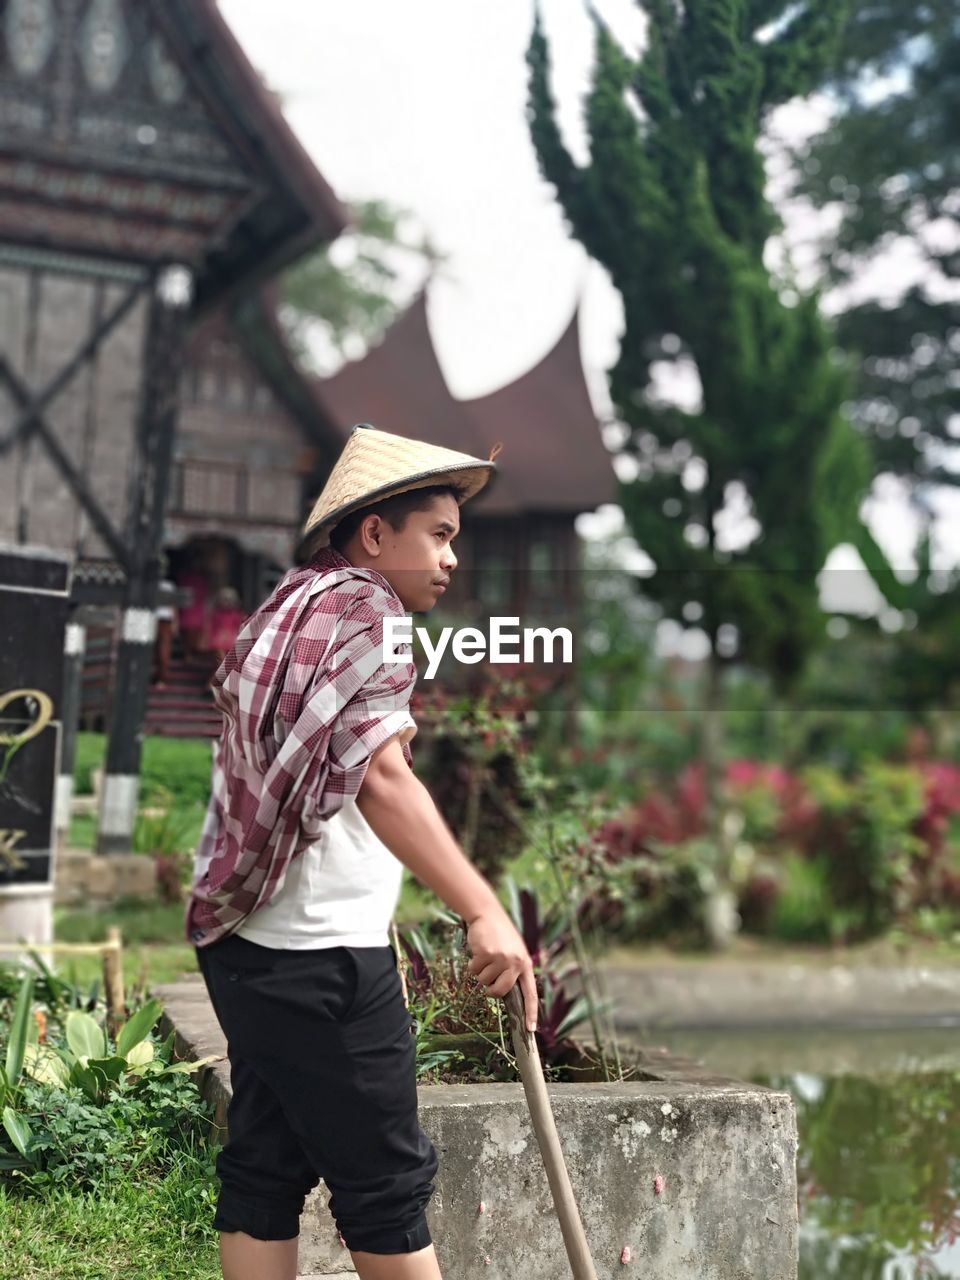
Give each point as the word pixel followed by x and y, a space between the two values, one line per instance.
pixel 672 202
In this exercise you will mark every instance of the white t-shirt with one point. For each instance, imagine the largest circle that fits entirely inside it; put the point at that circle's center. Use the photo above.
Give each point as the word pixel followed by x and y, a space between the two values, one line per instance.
pixel 342 891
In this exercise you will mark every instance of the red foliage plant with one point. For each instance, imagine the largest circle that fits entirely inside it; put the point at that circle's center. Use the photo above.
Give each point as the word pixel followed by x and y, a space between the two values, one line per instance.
pixel 668 817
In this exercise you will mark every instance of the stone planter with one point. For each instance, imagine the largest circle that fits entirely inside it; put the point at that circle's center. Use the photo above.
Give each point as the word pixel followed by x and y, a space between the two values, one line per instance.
pixel 693 1175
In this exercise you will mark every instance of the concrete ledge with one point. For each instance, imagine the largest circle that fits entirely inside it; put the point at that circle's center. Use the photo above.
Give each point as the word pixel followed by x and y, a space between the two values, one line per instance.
pixel 695 1175
pixel 707 994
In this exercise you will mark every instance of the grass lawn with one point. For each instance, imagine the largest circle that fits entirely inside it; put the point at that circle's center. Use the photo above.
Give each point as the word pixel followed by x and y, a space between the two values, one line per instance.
pixel 144 965
pixel 175 775
pixel 139 1230
pixel 180 764
pixel 154 948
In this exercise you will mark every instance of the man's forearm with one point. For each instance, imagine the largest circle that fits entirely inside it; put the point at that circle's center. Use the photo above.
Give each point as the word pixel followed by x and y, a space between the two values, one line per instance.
pixel 401 812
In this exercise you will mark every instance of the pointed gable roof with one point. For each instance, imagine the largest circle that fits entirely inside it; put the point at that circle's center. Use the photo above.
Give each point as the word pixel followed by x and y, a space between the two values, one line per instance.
pixel 550 431
pixel 399 386
pixel 553 459
pixel 291 208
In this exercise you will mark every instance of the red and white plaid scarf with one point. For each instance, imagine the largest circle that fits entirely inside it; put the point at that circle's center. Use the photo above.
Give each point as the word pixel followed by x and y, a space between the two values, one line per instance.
pixel 306 699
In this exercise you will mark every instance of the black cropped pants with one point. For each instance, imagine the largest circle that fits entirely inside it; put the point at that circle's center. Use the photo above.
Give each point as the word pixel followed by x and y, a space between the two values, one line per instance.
pixel 323 1076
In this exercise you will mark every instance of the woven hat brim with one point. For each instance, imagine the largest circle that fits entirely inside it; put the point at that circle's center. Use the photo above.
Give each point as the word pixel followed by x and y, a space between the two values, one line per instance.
pixel 471 478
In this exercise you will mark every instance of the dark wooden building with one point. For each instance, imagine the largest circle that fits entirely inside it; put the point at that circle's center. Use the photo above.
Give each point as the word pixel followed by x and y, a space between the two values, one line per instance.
pixel 247 404
pixel 146 178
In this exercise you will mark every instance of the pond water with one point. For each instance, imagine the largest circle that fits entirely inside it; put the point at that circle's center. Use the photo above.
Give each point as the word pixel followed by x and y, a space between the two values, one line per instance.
pixel 879 1121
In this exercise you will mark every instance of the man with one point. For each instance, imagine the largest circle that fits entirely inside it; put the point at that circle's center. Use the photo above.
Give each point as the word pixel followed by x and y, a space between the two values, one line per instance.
pixel 314 808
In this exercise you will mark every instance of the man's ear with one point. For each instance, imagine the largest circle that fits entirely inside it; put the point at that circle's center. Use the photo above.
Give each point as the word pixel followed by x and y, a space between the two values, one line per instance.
pixel 371 535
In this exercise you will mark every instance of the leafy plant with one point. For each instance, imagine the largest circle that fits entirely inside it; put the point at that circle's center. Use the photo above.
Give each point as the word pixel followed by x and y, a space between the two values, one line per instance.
pixel 432 1058
pixel 77 1143
pixel 86 1064
pixel 880 845
pixel 803 909
pixel 167 832
pixel 478 742
pixel 865 832
pixel 456 1024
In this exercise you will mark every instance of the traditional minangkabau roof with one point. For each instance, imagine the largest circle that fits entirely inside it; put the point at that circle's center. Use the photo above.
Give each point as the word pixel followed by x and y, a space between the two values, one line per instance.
pixel 553 458
pixel 399 386
pixel 551 435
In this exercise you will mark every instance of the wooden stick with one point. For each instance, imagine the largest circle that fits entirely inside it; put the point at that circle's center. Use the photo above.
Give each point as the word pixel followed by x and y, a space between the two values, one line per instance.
pixel 113 979
pixel 545 1127
pixel 400 967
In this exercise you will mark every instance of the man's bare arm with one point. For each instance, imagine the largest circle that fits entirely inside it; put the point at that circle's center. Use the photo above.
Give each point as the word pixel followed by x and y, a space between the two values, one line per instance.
pixel 402 813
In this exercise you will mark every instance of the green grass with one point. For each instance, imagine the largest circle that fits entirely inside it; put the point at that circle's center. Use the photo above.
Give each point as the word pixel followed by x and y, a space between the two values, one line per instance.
pixel 154 949
pixel 145 965
pixel 181 765
pixel 90 749
pixel 175 772
pixel 139 1231
pixel 139 922
pixel 83 831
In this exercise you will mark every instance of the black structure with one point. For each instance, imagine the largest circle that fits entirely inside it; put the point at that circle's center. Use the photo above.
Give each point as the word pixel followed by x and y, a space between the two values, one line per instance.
pixel 34 595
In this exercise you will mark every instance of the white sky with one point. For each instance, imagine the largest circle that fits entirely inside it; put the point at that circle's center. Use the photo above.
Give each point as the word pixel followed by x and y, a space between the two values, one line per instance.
pixel 423 104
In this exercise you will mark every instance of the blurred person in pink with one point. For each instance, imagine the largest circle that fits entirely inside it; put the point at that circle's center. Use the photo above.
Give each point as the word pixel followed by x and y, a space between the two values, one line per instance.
pixel 193 580
pixel 226 618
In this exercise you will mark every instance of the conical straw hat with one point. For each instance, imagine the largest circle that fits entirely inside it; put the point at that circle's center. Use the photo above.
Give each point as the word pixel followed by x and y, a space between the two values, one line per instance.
pixel 377 464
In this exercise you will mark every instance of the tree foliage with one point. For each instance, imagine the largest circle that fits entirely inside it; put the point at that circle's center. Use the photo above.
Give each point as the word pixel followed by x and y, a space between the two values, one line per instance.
pixel 891 163
pixel 672 202
pixel 353 288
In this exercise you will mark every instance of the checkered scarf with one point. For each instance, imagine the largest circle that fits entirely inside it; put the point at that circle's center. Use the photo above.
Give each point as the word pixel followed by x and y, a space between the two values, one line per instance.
pixel 306 700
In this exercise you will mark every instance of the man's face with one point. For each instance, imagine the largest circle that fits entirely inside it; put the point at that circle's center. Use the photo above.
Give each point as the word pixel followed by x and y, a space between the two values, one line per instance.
pixel 416 560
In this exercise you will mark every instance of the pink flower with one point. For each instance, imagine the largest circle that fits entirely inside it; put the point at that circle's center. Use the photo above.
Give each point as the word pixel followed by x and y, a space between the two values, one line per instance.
pixel 658 1185
pixel 625 1254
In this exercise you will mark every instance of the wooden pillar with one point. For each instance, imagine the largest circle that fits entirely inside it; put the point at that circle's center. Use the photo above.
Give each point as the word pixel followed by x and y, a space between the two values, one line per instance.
pixel 162 361
pixel 74 645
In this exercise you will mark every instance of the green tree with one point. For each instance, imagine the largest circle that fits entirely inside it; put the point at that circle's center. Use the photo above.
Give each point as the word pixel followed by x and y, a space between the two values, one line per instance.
pixel 672 202
pixel 890 163
pixel 355 287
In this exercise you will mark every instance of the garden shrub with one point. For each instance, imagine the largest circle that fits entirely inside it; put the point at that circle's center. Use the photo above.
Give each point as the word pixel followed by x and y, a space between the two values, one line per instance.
pixel 866 834
pixel 137 1130
pixel 817 855
pixel 472 751
pixel 802 909
pixel 84 1108
pixel 461 1033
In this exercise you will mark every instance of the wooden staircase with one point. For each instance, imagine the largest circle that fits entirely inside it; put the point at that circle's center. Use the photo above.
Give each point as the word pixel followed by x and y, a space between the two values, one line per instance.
pixel 184 707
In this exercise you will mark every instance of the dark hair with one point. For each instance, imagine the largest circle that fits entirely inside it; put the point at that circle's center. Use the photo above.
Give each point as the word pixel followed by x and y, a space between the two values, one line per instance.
pixel 394 510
